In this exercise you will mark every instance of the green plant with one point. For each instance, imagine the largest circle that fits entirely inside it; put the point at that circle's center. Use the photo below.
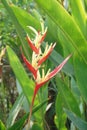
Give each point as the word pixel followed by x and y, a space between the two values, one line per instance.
pixel 67 27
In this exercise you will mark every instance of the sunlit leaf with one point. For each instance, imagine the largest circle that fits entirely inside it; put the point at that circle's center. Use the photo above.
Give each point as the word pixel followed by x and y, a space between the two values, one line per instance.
pixel 25 19
pixel 79 14
pixel 26 84
pixel 66 23
pixel 2 127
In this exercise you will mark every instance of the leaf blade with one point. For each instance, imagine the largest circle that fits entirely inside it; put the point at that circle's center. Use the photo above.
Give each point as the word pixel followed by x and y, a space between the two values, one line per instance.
pixel 78 122
pixel 66 23
pixel 26 84
pixel 68 97
pixel 14 111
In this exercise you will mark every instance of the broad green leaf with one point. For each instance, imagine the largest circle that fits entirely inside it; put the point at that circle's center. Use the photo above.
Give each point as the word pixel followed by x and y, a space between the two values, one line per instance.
pixel 74 88
pixel 85 4
pixel 68 98
pixel 14 111
pixel 2 127
pixel 25 19
pixel 26 84
pixel 19 124
pixel 79 14
pixel 67 47
pixel 52 34
pixel 78 122
pixel 63 45
pixel 81 75
pixel 66 23
pixel 61 116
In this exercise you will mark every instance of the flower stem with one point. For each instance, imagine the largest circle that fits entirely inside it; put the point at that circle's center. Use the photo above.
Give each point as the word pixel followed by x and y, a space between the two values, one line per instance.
pixel 30 114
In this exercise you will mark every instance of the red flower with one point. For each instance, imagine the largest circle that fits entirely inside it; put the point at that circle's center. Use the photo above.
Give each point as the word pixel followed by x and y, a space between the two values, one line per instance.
pixel 49 75
pixel 37 59
pixel 30 67
pixel 32 46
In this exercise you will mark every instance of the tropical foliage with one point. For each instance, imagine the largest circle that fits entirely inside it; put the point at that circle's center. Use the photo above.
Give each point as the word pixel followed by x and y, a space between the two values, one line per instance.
pixel 61 104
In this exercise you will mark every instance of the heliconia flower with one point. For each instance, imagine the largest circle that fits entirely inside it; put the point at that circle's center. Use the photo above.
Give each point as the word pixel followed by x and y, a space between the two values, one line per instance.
pixel 49 75
pixel 38 57
pixel 45 78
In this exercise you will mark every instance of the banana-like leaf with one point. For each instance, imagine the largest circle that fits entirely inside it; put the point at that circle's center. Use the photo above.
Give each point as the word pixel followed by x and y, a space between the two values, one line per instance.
pixel 67 47
pixel 70 101
pixel 26 84
pixel 78 122
pixel 61 116
pixel 81 75
pixel 63 45
pixel 85 3
pixel 66 23
pixel 25 19
pixel 79 14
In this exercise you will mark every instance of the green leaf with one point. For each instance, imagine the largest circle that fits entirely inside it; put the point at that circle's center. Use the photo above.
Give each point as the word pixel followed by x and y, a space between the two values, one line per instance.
pixel 56 34
pixel 81 75
pixel 68 98
pixel 26 84
pixel 61 116
pixel 36 127
pixel 52 34
pixel 14 111
pixel 2 127
pixel 67 46
pixel 25 19
pixel 19 124
pixel 66 23
pixel 79 14
pixel 78 122
pixel 85 4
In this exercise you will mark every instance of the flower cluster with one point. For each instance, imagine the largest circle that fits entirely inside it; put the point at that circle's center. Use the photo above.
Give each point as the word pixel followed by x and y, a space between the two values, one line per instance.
pixel 38 57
